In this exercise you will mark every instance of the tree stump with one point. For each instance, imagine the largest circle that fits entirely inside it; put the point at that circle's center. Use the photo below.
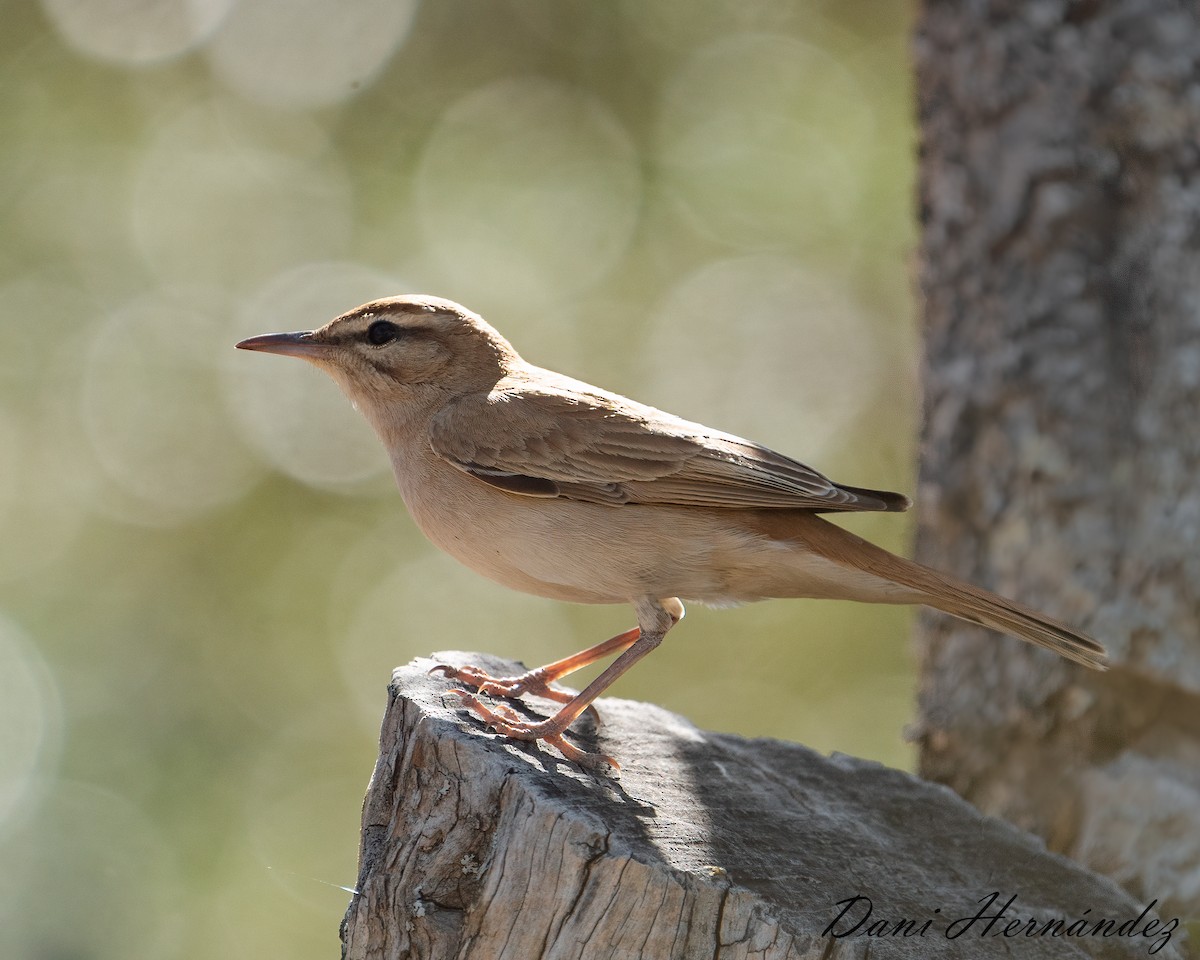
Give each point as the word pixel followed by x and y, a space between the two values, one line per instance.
pixel 708 846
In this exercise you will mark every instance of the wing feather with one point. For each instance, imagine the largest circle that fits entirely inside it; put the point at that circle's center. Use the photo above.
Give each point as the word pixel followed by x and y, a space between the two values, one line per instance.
pixel 547 436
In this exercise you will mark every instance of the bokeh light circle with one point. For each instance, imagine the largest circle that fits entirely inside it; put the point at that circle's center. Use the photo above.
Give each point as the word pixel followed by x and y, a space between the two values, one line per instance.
pixel 135 32
pixel 307 53
pixel 756 141
pixel 225 195
pixel 41 463
pixel 30 723
pixel 152 411
pixel 103 863
pixel 763 347
pixel 685 24
pixel 527 190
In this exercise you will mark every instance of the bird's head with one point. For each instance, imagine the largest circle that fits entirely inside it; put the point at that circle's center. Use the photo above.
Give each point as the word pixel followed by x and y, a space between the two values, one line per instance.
pixel 403 351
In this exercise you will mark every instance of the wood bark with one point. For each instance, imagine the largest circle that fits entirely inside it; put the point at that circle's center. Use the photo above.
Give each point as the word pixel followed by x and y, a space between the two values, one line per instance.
pixel 709 847
pixel 1060 461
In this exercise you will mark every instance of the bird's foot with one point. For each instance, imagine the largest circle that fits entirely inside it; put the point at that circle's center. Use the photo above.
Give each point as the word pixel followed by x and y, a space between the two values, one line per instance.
pixel 533 681
pixel 507 722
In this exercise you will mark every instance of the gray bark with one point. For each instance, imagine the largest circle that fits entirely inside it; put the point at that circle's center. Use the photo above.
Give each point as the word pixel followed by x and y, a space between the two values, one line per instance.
pixel 1060 205
pixel 709 846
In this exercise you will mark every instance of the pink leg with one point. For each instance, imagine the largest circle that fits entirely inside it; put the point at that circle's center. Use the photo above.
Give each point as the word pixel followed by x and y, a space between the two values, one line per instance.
pixel 655 619
pixel 537 681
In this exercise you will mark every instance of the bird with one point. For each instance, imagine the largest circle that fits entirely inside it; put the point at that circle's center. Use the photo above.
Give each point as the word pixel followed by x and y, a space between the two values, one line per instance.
pixel 551 486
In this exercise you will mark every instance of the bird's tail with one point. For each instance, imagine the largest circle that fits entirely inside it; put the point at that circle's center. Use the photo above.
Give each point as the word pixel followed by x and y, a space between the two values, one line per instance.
pixel 976 605
pixel 993 611
pixel 921 584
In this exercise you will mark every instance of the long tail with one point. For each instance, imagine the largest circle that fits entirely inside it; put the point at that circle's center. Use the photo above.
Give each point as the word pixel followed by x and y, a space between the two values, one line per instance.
pixel 988 609
pixel 949 594
pixel 976 605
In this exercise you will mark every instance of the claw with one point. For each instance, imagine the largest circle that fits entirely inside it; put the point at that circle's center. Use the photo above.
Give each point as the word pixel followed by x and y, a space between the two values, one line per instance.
pixel 630 646
pixel 507 722
pixel 596 762
pixel 513 688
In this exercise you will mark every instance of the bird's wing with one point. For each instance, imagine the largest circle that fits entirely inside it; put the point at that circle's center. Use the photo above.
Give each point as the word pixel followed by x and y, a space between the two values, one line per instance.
pixel 564 439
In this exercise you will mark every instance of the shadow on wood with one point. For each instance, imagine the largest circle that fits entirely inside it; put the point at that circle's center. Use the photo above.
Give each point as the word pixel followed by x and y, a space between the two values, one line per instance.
pixel 709 846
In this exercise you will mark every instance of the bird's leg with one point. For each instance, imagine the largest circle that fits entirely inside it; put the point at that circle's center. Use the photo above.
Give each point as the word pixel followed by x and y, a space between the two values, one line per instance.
pixel 537 681
pixel 655 618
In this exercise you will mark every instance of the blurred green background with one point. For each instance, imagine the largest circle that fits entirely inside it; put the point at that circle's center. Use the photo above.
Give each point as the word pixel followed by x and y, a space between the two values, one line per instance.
pixel 205 574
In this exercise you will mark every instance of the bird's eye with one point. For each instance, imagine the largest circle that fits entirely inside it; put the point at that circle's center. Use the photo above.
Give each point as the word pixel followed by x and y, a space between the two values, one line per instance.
pixel 382 331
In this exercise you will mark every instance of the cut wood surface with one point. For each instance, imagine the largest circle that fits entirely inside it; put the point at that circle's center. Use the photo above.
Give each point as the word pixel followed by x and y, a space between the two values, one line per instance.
pixel 708 846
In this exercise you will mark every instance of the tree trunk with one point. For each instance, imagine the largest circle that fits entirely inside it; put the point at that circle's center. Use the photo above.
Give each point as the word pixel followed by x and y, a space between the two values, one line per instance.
pixel 1060 463
pixel 709 847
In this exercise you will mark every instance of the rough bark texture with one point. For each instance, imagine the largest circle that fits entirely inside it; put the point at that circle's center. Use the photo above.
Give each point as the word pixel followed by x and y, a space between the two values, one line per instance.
pixel 709 846
pixel 1060 204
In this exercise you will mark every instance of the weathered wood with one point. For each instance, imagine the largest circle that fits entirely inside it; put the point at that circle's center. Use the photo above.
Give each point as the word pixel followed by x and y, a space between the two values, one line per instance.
pixel 709 846
pixel 1061 277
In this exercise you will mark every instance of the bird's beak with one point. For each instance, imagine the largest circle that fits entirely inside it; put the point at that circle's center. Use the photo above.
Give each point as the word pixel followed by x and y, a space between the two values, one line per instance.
pixel 289 344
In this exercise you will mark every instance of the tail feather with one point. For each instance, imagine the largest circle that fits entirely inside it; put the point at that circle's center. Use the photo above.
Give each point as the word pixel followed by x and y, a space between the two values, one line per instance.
pixel 949 594
pixel 1008 617
pixel 979 606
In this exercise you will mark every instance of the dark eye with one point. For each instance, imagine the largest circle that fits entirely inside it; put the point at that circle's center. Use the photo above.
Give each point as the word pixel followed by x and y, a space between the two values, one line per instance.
pixel 382 331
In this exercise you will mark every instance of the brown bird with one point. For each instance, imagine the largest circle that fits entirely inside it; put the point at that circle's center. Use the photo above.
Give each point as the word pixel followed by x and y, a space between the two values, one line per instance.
pixel 560 489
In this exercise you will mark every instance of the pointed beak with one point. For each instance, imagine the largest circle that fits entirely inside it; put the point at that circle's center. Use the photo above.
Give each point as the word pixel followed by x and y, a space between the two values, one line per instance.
pixel 289 344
